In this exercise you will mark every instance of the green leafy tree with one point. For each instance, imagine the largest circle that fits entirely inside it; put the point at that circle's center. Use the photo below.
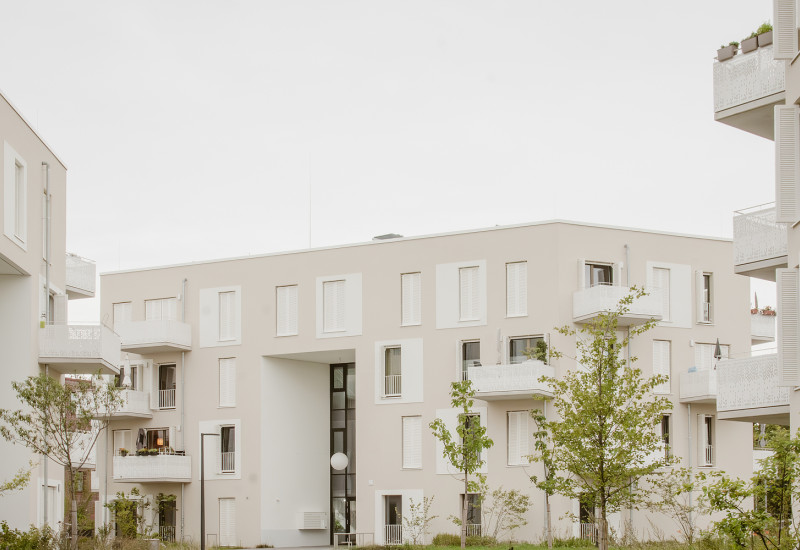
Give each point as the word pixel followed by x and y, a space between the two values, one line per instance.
pixel 604 438
pixel 463 449
pixel 544 453
pixel 61 422
pixel 129 513
pixel 671 494
pixel 19 481
pixel 502 511
pixel 417 522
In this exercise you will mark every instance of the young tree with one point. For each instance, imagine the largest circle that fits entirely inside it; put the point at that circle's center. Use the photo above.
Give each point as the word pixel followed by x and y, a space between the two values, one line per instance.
pixel 604 437
pixel 463 450
pixel 502 511
pixel 61 422
pixel 671 495
pixel 418 520
pixel 543 452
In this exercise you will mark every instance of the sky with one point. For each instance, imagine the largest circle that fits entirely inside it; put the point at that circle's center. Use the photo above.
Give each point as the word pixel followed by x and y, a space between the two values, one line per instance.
pixel 203 129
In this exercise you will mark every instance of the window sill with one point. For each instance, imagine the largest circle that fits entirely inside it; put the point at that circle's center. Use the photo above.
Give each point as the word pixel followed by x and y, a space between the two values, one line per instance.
pixel 285 335
pixel 412 468
pixel 516 316
pixel 226 406
pixel 411 324
pixel 397 396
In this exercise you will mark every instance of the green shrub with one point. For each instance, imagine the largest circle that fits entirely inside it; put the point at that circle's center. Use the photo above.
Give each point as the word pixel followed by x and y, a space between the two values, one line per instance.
pixel 764 27
pixel 572 543
pixel 32 539
pixel 446 539
pixel 477 540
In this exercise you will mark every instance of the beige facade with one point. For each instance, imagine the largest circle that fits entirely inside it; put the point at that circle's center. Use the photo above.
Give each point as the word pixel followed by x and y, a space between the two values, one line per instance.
pixel 253 341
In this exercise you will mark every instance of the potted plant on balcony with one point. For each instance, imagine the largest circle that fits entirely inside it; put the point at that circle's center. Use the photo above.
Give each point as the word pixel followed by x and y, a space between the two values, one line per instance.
pixel 141 452
pixel 123 451
pixel 764 34
pixel 152 452
pixel 750 44
pixel 768 311
pixel 726 52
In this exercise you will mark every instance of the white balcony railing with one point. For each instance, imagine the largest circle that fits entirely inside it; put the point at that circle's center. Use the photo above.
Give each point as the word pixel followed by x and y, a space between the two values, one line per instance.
pixel 393 534
pixel 154 335
pixel 228 462
pixel 698 386
pixel 82 348
pixel 519 379
pixel 392 385
pixel 588 303
pixel 80 275
pixel 709 455
pixel 134 403
pixel 473 529
pixel 161 467
pixel 750 383
pixel 762 327
pixel 166 399
pixel 589 532
pixel 746 78
pixel 757 236
pixel 166 533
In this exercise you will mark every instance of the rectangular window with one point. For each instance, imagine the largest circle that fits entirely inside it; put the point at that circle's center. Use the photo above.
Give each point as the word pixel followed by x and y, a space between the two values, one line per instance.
pixel 473 514
pixel 19 200
pixel 469 294
pixel 286 299
pixel 123 313
pixel 157 438
pixel 411 299
pixel 704 355
pixel 470 357
pixel 227 522
pixel 227 307
pixel 228 449
pixel 333 306
pixel 227 382
pixel 665 434
pixel 661 281
pixel 392 369
pixel 517 289
pixel 166 386
pixel 662 364
pixel 518 448
pixel 705 440
pixel 78 481
pixel 163 309
pixel 412 442
pixel 529 347
pixel 707 298
pixel 134 376
pixel 123 442
pixel 598 274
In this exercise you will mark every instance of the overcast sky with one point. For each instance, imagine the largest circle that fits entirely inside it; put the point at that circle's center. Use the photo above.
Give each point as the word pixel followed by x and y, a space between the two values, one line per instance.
pixel 195 129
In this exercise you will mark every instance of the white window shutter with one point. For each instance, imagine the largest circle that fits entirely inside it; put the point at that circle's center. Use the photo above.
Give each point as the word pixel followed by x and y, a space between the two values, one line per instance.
pixel 517 289
pixel 518 448
pixel 581 273
pixel 698 295
pixel 227 382
pixel 152 310
pixel 784 15
pixel 334 300
pixel 227 315
pixel 173 439
pixel 412 442
pixel 411 299
pixel 152 377
pixel 227 522
pixel 123 313
pixel 170 309
pixel 617 267
pixel 661 282
pixel 787 163
pixel 470 299
pixel 661 363
pixel 788 327
pixel 59 309
pixel 286 298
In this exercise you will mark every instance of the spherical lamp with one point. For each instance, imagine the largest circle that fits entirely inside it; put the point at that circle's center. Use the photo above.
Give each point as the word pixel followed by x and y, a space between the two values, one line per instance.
pixel 339 461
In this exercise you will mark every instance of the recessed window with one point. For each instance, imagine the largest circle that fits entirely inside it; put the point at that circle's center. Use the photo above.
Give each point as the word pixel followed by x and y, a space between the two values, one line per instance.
pixel 470 356
pixel 469 293
pixel 228 449
pixel 666 421
pixel 598 274
pixel 529 347
pixel 707 297
pixel 166 386
pixel 393 372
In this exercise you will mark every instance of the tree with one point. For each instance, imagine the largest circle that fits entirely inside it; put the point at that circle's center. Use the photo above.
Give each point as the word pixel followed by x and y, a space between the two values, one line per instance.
pixel 502 511
pixel 604 440
pixel 61 422
pixel 463 450
pixel 18 482
pixel 543 452
pixel 671 495
pixel 418 520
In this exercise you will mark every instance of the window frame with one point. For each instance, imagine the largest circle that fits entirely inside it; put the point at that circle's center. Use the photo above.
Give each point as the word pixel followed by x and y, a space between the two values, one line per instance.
pixel 708 297
pixel 588 271
pixel 229 428
pixel 511 339
pixel 387 351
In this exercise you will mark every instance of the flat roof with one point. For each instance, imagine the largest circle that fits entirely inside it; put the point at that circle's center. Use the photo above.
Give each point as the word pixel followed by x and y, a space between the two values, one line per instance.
pixel 418 237
pixel 28 124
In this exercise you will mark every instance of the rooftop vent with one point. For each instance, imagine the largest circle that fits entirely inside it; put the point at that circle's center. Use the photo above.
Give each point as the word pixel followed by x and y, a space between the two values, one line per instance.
pixel 387 236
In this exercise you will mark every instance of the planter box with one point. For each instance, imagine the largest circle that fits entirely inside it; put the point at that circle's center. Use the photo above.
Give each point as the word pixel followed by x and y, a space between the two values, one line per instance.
pixel 749 44
pixel 723 54
pixel 764 39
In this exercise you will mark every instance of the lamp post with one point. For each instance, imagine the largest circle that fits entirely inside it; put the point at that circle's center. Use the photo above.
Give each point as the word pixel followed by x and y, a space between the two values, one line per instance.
pixel 203 490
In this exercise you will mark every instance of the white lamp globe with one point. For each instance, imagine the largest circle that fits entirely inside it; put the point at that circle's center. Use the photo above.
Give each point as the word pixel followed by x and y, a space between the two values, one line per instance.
pixel 339 461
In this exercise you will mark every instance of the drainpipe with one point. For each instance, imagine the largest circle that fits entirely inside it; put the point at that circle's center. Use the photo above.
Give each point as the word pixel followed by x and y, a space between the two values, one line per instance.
pixel 183 400
pixel 628 265
pixel 48 320
pixel 689 453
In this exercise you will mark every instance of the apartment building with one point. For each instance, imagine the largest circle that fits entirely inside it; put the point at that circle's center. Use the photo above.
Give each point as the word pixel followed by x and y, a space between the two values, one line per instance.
pixel 286 359
pixel 37 278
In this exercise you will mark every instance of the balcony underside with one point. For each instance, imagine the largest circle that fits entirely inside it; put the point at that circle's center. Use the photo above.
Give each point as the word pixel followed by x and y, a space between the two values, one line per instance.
pixel 83 365
pixel 513 394
pixel 120 415
pixel 764 269
pixel 755 117
pixel 75 293
pixel 707 399
pixel 151 480
pixel 626 320
pixel 767 415
pixel 154 347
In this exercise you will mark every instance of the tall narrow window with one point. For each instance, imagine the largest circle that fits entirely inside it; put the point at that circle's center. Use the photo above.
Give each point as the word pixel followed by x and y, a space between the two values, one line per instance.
pixel 469 294
pixel 134 377
pixel 661 281
pixel 412 442
pixel 228 449
pixel 19 200
pixel 661 364
pixel 162 309
pixel 473 514
pixel 286 298
pixel 227 522
pixel 665 434
pixel 227 325
pixel 518 448
pixel 393 371
pixel 517 289
pixel 227 382
pixel 707 297
pixel 411 300
pixel 706 439
pixel 166 386
pixel 470 357
pixel 333 305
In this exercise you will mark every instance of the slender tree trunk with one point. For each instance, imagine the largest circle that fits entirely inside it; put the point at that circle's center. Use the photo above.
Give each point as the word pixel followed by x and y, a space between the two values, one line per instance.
pixel 464 514
pixel 602 538
pixel 549 521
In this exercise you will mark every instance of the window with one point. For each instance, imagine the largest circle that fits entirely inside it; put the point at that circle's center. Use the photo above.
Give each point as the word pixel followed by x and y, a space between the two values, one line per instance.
pixel 392 372
pixel 518 448
pixel 157 438
pixel 166 386
pixel 411 299
pixel 666 420
pixel 333 306
pixel 661 281
pixel 412 442
pixel 662 364
pixel 227 323
pixel 704 355
pixel 470 357
pixel 123 313
pixel 705 439
pixel 517 289
pixel 473 514
pixel 15 192
pixel 228 449
pixel 469 294
pixel 707 295
pixel 132 378
pixel 286 299
pixel 227 522
pixel 227 382
pixel 78 481
pixel 393 520
pixel 19 200
pixel 529 347
pixel 472 422
pixel 598 274
pixel 165 309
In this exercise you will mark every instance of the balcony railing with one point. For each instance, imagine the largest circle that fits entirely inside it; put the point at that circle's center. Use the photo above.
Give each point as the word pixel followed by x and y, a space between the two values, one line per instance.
pixel 748 77
pixel 153 336
pixel 80 277
pixel 83 349
pixel 473 529
pixel 589 532
pixel 699 386
pixel 762 328
pixel 228 461
pixel 709 455
pixel 166 533
pixel 135 404
pixel 161 467
pixel 393 534
pixel 166 399
pixel 757 237
pixel 750 383
pixel 392 385
pixel 589 303
pixel 511 381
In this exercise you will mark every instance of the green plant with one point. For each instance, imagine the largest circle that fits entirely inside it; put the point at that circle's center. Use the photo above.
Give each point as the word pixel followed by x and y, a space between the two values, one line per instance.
pixel 32 539
pixel 152 452
pixel 418 519
pixel 763 27
pixel 734 44
pixel 502 511
pixel 123 451
pixel 446 539
pixel 129 513
pixel 142 452
pixel 539 352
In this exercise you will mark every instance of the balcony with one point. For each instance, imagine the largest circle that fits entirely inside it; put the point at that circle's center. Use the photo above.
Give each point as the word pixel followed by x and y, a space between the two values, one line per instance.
pixel 80 277
pixel 746 88
pixel 154 336
pixel 160 468
pixel 516 381
pixel 762 328
pixel 79 349
pixel 759 242
pixel 589 303
pixel 748 390
pixel 699 386
pixel 135 404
